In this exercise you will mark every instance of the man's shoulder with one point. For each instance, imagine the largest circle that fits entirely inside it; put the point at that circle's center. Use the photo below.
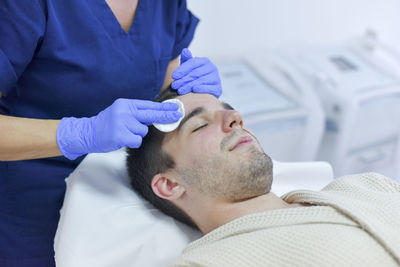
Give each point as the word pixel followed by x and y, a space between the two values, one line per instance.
pixel 363 182
pixel 304 243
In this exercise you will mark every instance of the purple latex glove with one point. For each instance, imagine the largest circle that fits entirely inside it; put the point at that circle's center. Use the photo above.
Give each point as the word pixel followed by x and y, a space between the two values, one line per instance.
pixel 196 74
pixel 124 123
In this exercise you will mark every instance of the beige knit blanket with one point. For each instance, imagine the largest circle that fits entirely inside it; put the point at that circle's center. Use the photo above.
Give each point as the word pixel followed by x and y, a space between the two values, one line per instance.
pixel 356 223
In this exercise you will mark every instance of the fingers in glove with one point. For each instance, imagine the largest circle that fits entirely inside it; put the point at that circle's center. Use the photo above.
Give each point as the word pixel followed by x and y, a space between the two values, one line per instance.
pixel 155 116
pixel 151 105
pixel 134 141
pixel 185 90
pixel 188 66
pixel 135 126
pixel 185 55
pixel 206 79
pixel 193 75
pixel 207 89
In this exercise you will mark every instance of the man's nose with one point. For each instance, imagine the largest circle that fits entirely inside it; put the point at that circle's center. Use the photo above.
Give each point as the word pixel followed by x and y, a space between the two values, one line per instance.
pixel 231 120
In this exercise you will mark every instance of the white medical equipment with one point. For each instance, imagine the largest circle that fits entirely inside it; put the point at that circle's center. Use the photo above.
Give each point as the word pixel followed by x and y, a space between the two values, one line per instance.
pixel 377 52
pixel 104 223
pixel 361 99
pixel 276 106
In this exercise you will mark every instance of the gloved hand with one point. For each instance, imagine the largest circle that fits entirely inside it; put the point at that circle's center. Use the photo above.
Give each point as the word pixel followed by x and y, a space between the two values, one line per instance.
pixel 196 74
pixel 124 123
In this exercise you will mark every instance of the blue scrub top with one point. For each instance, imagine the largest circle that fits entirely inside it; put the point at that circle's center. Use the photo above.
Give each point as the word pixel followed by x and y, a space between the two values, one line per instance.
pixel 71 58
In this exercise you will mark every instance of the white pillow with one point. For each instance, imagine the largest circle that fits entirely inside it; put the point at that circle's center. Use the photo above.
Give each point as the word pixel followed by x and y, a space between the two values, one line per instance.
pixel 289 176
pixel 104 223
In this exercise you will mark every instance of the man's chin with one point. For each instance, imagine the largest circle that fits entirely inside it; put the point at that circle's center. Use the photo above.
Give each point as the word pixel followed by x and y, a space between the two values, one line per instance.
pixel 263 188
pixel 253 151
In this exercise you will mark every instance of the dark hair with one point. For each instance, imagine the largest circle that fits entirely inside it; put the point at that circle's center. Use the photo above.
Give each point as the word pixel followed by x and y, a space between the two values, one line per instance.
pixel 148 160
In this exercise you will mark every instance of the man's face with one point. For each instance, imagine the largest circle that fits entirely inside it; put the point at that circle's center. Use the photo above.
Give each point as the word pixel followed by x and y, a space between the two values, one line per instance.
pixel 215 154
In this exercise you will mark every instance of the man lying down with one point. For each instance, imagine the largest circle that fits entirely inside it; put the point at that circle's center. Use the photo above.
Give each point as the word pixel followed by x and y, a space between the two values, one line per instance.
pixel 212 174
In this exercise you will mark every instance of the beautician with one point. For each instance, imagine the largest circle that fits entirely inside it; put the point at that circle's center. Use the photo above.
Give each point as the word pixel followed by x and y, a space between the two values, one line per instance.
pixel 78 77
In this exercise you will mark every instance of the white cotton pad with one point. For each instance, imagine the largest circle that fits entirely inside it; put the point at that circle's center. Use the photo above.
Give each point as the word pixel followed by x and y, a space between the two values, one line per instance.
pixel 171 126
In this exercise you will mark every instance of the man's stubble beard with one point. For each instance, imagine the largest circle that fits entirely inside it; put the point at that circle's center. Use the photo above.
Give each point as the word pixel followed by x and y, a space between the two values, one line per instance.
pixel 240 178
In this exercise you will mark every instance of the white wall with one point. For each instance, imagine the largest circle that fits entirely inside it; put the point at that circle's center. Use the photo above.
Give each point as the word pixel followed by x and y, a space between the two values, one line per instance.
pixel 229 28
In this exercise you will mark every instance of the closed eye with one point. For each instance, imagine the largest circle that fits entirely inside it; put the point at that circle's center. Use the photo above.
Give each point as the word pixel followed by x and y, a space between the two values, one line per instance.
pixel 198 128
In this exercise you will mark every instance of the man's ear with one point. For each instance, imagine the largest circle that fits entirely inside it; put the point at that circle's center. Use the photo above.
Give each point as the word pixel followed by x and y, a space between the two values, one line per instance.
pixel 166 187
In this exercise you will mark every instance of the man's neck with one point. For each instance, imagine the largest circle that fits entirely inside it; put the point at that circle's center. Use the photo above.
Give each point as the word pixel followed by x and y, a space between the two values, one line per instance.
pixel 223 213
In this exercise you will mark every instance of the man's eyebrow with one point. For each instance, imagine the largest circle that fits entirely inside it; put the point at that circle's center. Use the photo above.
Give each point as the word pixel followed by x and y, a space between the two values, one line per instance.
pixel 227 106
pixel 193 113
pixel 198 111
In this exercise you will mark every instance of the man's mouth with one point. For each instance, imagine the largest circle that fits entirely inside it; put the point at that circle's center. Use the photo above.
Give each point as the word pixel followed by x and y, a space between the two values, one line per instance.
pixel 244 140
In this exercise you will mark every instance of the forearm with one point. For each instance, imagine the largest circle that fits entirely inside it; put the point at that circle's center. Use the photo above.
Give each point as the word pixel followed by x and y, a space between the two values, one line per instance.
pixel 173 64
pixel 22 138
